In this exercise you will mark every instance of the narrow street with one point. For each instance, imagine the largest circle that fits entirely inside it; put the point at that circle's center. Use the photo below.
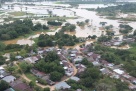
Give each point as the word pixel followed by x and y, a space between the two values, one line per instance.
pixel 52 88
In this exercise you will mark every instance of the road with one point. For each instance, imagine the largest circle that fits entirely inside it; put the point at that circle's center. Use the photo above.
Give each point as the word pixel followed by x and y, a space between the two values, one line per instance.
pixel 52 88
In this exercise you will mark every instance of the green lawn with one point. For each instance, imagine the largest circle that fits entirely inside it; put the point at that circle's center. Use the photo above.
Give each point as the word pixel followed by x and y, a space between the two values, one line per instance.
pixel 133 48
pixel 18 13
pixel 31 76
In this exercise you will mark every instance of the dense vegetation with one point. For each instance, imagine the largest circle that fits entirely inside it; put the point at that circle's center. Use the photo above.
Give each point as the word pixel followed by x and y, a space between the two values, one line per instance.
pixel 19 28
pixel 3 85
pixel 59 39
pixel 125 29
pixel 68 28
pixel 113 10
pixel 54 23
pixel 51 64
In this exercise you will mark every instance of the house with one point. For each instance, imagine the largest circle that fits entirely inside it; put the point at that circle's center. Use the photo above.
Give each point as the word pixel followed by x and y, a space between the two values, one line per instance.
pixel 50 82
pixel 62 85
pixel 126 76
pixel 72 55
pixel 75 78
pixel 66 64
pixel 96 57
pixel 117 43
pixel 132 80
pixel 80 68
pixel 9 89
pixel 90 59
pixel 37 73
pixel 40 51
pixel 132 87
pixel 77 60
pixel 69 71
pixel 79 90
pixel 95 63
pixel 89 54
pixel 74 51
pixel 18 85
pixel 105 71
pixel 31 59
pixel 104 63
pixel 129 40
pixel 18 57
pixel 3 73
pixel 115 76
pixel 9 78
pixel 118 71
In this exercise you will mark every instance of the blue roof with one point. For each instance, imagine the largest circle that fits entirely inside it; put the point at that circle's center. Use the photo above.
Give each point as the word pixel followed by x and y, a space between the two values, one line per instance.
pixel 74 78
pixel 63 85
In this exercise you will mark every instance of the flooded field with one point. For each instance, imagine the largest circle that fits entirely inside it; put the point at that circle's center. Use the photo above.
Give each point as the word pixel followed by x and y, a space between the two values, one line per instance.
pixel 64 10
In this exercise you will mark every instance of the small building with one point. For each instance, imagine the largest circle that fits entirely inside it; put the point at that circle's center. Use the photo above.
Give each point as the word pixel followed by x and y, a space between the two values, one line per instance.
pixel 18 85
pixel 72 55
pixel 3 73
pixel 31 59
pixel 80 68
pixel 95 63
pixel 77 60
pixel 105 71
pixel 118 71
pixel 37 73
pixel 75 78
pixel 62 85
pixel 18 57
pixel 9 78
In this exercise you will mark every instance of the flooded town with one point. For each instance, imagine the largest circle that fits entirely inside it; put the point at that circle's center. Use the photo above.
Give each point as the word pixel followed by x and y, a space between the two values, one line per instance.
pixel 67 45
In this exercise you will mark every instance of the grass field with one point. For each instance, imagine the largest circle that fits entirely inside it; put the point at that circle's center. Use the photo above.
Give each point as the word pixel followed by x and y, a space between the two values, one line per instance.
pixel 31 76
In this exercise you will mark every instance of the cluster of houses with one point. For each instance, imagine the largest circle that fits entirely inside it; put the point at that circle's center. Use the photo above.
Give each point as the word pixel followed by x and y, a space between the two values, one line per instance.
pixel 118 42
pixel 62 86
pixel 15 84
pixel 70 58
pixel 110 69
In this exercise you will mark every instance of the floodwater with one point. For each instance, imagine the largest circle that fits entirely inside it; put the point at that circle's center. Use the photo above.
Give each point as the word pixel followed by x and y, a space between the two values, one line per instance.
pixel 41 8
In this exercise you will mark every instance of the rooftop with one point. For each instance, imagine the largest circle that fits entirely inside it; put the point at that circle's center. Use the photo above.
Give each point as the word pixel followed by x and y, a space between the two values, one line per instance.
pixel 63 85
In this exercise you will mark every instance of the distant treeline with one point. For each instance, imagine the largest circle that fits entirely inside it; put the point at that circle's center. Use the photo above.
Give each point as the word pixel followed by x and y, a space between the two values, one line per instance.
pixel 112 10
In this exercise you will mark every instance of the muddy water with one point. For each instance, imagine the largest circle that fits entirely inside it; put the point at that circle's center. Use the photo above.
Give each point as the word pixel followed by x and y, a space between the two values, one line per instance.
pixel 77 46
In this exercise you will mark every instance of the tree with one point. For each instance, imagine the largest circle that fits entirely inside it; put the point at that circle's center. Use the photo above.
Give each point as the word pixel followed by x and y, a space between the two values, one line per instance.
pixel 125 29
pixel 55 76
pixel 2 46
pixel 3 85
pixel 72 27
pixel 23 53
pixel 32 84
pixel 46 89
pixel 2 60
pixel 93 37
pixel 11 69
pixel 25 67
pixel 103 87
pixel 121 86
pixel 87 21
